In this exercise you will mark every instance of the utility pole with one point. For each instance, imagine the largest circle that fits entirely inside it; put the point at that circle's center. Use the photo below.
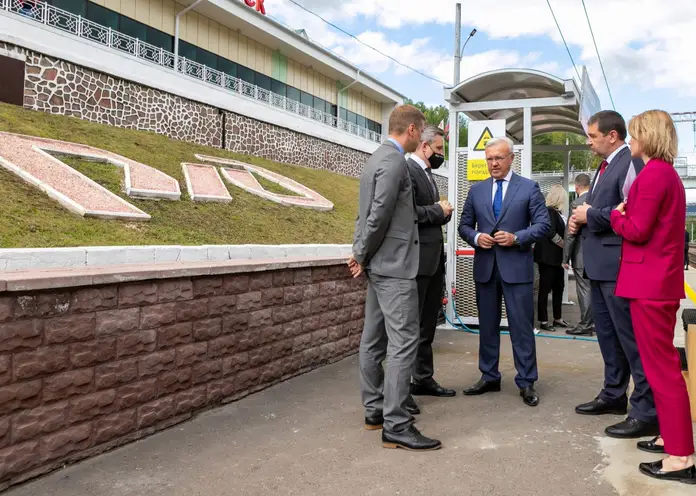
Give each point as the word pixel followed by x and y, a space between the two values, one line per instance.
pixel 457 43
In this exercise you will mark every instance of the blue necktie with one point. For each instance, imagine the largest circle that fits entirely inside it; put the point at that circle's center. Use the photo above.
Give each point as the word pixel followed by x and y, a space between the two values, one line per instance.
pixel 498 198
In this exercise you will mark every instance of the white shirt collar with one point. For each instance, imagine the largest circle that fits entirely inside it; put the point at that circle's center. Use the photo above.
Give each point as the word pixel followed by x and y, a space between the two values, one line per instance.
pixel 418 160
pixel 615 153
pixel 507 177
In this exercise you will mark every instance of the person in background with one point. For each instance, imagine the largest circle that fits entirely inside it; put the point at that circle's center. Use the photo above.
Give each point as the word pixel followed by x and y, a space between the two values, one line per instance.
pixel 687 240
pixel 432 213
pixel 651 278
pixel 548 255
pixel 572 253
pixel 502 218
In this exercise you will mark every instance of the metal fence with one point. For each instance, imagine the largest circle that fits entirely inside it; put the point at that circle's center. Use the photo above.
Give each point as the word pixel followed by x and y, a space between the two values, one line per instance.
pixel 84 28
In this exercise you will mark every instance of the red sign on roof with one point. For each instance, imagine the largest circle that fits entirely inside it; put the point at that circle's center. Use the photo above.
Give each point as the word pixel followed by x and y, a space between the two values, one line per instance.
pixel 258 4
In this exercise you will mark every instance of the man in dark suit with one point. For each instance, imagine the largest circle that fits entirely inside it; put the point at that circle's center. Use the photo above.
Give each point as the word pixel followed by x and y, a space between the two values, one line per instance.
pixel 432 215
pixel 602 250
pixel 572 253
pixel 687 239
pixel 502 217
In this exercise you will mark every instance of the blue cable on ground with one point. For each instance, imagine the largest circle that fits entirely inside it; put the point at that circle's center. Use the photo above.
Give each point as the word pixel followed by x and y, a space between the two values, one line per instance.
pixel 462 327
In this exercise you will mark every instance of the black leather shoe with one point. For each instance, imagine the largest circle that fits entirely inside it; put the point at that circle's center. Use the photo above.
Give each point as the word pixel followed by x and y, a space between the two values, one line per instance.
pixel 650 446
pixel 632 428
pixel 482 387
pixel 545 326
pixel 654 470
pixel 580 332
pixel 561 323
pixel 529 396
pixel 599 406
pixel 410 439
pixel 411 406
pixel 374 422
pixel 432 389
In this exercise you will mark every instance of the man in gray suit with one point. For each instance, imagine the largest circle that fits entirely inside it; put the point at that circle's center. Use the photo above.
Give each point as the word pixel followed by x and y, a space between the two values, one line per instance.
pixel 432 215
pixel 386 248
pixel 572 253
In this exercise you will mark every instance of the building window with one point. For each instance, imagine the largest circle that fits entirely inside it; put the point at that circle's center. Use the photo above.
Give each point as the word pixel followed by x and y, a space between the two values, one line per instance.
pixel 227 66
pixel 279 88
pixel 293 94
pixel 100 15
pixel 306 99
pixel 263 81
pixel 77 7
pixel 133 28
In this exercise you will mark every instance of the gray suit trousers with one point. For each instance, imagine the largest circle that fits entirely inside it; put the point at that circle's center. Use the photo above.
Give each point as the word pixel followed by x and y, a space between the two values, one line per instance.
pixel 391 331
pixel 582 288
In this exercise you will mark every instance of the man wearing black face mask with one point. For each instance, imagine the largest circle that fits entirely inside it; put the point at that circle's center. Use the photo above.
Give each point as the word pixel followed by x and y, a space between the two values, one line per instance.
pixel 432 215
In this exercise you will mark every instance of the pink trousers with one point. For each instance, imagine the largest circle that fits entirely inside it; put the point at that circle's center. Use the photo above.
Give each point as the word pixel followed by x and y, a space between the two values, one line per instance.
pixel 653 324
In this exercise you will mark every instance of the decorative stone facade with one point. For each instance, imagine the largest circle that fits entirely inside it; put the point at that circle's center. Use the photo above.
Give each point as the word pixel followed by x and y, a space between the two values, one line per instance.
pixel 58 87
pixel 86 369
pixel 245 135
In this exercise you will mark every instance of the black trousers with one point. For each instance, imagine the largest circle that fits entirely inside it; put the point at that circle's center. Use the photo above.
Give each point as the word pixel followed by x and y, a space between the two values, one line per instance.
pixel 430 290
pixel 551 280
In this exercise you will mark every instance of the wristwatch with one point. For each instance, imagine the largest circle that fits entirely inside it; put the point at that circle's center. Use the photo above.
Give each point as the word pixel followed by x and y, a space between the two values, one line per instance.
pixel 516 240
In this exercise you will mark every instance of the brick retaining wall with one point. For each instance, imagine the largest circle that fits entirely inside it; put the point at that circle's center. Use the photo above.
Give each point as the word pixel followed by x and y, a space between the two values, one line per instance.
pixel 84 369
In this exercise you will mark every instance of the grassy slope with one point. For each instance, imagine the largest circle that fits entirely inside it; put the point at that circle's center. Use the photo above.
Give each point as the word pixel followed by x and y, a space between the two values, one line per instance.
pixel 31 219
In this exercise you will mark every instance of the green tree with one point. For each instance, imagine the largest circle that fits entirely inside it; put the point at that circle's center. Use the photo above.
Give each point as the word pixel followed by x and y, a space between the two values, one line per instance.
pixel 553 161
pixel 440 114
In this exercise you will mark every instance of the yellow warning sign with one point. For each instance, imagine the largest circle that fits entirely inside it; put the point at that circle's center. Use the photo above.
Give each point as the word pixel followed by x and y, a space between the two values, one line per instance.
pixel 486 135
pixel 477 170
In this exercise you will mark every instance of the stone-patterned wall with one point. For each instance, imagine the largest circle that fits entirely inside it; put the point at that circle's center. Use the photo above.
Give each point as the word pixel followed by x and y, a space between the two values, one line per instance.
pixel 59 87
pixel 245 135
pixel 84 370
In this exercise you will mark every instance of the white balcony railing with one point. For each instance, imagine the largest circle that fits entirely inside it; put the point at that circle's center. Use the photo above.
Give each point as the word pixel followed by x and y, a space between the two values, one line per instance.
pixel 84 28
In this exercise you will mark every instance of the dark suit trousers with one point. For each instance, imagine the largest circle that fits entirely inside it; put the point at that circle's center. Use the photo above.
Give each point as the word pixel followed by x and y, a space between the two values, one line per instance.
pixel 519 302
pixel 617 342
pixel 430 302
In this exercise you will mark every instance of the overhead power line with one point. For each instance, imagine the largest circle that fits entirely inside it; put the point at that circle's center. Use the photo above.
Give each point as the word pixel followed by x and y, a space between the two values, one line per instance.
pixel 598 56
pixel 366 45
pixel 564 41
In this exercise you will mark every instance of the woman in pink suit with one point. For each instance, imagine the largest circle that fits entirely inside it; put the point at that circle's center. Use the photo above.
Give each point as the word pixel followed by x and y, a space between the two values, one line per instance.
pixel 651 276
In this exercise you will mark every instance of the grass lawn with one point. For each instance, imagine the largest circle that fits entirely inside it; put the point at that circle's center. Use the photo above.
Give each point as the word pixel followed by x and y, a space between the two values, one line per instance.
pixel 31 219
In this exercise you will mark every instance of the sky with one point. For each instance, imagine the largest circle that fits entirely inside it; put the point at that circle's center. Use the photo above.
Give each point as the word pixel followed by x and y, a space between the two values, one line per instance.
pixel 645 45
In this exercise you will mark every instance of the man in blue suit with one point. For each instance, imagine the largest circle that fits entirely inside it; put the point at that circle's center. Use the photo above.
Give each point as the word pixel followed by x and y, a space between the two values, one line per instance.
pixel 601 246
pixel 502 217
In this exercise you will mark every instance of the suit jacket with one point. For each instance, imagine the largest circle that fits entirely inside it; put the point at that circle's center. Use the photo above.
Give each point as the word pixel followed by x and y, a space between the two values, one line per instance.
pixel 546 252
pixel 386 230
pixel 572 249
pixel 431 218
pixel 601 246
pixel 523 213
pixel 687 240
pixel 652 256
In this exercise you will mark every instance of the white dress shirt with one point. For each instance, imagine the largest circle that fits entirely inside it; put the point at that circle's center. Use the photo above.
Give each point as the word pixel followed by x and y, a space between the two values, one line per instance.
pixel 425 168
pixel 609 160
pixel 506 183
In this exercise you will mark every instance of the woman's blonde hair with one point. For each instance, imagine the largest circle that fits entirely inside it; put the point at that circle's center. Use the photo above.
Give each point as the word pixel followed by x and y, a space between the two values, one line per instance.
pixel 657 135
pixel 556 197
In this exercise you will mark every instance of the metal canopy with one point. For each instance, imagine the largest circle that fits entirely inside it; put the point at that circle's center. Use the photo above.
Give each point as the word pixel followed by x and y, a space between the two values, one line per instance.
pixel 503 94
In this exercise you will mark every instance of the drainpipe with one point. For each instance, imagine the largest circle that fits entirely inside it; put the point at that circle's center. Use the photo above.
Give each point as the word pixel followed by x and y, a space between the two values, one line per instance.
pixel 338 100
pixel 176 33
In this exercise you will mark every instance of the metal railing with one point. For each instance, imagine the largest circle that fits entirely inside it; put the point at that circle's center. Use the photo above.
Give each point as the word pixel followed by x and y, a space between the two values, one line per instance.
pixel 84 28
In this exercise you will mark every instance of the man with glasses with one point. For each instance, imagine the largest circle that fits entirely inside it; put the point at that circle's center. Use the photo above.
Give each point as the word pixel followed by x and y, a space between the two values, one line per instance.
pixel 502 217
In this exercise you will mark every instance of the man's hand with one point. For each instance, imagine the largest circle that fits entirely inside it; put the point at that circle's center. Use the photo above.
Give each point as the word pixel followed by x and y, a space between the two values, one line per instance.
pixel 446 207
pixel 504 238
pixel 573 225
pixel 580 213
pixel 355 268
pixel 486 241
pixel 621 207
pixel 566 266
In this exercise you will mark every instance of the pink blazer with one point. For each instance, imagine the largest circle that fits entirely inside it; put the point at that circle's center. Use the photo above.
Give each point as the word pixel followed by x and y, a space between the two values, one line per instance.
pixel 652 252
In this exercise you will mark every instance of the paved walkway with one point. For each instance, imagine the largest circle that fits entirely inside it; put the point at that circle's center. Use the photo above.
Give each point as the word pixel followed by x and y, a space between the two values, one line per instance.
pixel 305 437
